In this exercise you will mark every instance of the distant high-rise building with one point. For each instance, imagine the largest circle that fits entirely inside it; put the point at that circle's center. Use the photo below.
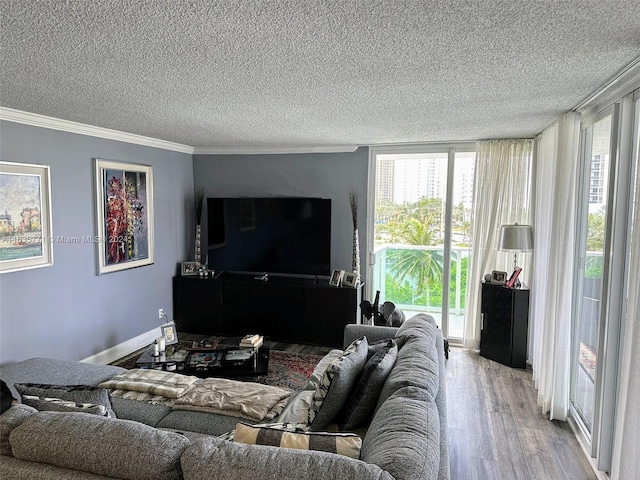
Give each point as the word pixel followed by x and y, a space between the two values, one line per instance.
pixel 384 179
pixel 405 179
pixel 597 180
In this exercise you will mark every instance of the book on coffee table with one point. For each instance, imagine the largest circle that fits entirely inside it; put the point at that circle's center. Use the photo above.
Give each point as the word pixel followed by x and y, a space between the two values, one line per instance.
pixel 251 341
pixel 238 355
pixel 205 359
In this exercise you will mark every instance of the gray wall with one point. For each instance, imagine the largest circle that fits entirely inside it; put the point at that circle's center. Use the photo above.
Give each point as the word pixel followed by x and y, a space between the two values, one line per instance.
pixel 326 175
pixel 66 311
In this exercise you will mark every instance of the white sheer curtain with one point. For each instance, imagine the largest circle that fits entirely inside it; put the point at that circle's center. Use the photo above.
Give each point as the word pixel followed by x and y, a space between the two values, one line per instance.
pixel 554 244
pixel 625 462
pixel 502 191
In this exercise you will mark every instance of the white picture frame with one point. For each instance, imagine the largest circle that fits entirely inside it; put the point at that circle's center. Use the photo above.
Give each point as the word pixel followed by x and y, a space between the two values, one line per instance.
pixel 498 277
pixel 349 279
pixel 336 278
pixel 124 192
pixel 170 334
pixel 26 236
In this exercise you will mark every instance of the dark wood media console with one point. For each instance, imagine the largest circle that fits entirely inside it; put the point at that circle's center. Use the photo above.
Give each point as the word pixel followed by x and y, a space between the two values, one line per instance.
pixel 291 309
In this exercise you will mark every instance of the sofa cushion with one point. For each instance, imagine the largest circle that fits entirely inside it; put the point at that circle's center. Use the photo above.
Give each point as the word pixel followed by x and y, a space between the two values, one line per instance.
pixel 72 393
pixel 347 444
pixel 199 422
pixel 143 412
pixel 416 325
pixel 59 405
pixel 223 460
pixel 10 420
pixel 100 445
pixel 336 384
pixel 361 403
pixel 404 436
pixel 417 364
pixel 14 469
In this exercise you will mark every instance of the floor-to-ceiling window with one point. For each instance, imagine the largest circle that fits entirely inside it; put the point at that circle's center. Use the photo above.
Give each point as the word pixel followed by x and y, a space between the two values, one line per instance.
pixel 596 157
pixel 605 199
pixel 421 230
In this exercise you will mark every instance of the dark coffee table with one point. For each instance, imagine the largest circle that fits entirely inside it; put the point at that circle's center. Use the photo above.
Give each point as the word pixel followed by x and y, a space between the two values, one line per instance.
pixel 174 362
pixel 256 366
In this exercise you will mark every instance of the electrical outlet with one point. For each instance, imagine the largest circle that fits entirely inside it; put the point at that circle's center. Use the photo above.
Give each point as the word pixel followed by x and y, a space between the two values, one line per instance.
pixel 161 313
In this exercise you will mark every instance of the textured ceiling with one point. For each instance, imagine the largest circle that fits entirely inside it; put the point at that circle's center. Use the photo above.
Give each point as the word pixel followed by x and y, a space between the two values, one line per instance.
pixel 292 73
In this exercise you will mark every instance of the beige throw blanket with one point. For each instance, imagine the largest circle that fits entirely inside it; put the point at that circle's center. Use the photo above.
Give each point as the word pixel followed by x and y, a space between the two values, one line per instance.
pixel 152 382
pixel 247 400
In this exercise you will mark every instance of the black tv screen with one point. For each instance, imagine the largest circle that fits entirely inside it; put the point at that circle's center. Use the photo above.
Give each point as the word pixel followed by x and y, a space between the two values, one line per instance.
pixel 287 235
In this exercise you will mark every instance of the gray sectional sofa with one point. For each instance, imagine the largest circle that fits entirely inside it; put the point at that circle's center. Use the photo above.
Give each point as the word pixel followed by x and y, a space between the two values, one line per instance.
pixel 405 440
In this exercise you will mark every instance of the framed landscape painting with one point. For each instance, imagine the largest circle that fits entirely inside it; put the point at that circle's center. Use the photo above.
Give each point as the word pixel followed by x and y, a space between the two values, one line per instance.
pixel 124 194
pixel 25 217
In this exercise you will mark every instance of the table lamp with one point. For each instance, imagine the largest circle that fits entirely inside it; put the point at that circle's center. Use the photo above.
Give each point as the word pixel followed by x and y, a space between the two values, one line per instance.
pixel 516 238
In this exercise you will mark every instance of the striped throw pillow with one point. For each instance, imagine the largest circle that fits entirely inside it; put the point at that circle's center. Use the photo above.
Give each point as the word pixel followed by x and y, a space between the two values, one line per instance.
pixel 347 444
pixel 58 405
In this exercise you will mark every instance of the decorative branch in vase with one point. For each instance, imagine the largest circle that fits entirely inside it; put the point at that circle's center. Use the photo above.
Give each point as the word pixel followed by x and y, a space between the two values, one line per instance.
pixel 354 199
pixel 198 203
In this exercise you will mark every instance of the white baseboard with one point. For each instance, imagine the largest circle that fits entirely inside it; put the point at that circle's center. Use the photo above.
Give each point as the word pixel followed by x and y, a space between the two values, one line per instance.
pixel 125 348
pixel 592 461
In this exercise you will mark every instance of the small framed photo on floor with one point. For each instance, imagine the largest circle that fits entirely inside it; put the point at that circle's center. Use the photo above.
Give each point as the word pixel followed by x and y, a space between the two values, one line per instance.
pixel 336 278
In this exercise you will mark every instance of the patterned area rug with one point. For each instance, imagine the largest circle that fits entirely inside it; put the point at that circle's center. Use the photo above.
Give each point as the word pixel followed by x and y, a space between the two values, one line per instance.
pixel 290 370
pixel 286 369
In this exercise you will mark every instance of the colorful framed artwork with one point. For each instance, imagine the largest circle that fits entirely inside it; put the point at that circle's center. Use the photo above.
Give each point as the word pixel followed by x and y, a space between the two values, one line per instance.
pixel 124 203
pixel 26 239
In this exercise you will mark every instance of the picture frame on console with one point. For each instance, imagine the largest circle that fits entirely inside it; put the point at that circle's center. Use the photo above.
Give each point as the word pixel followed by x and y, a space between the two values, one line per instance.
pixel 336 278
pixel 349 279
pixel 498 277
pixel 170 334
pixel 124 213
pixel 188 269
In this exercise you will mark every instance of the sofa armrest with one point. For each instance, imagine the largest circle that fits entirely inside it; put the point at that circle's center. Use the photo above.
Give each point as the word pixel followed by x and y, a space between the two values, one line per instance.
pixel 372 332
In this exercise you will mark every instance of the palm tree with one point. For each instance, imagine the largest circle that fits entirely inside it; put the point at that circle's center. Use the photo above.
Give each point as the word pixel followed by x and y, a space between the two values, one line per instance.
pixel 422 265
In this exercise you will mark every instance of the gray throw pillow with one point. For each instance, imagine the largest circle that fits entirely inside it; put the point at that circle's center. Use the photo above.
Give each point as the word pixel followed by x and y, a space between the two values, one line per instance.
pixel 359 408
pixel 58 405
pixel 375 347
pixel 336 384
pixel 72 393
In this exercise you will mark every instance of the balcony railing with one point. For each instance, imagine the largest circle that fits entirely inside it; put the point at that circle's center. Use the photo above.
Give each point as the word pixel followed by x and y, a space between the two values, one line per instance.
pixel 383 272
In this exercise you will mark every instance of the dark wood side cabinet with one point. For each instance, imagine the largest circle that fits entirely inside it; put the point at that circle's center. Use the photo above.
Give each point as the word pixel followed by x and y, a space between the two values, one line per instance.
pixel 296 310
pixel 505 324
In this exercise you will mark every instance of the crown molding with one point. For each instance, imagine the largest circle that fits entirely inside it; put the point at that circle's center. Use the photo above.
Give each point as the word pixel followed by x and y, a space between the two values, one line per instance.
pixel 37 120
pixel 273 150
pixel 622 83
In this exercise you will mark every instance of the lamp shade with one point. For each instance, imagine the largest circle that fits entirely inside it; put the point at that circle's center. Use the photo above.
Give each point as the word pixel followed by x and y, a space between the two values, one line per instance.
pixel 516 237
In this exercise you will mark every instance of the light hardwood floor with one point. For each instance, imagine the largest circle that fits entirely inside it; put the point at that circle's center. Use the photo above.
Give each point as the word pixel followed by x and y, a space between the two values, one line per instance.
pixel 496 430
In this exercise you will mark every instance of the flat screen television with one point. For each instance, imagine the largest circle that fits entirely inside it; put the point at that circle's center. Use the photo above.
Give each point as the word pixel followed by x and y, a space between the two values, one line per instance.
pixel 286 235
